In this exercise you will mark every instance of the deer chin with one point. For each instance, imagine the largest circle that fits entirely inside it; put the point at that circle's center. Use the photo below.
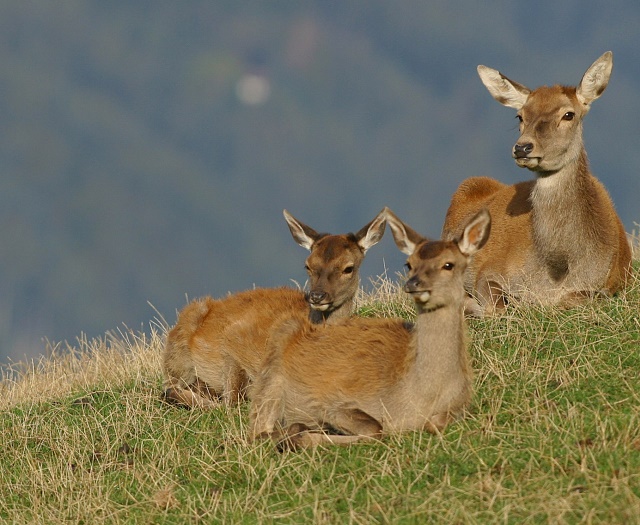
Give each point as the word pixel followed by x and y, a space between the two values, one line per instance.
pixel 528 162
pixel 421 298
pixel 320 307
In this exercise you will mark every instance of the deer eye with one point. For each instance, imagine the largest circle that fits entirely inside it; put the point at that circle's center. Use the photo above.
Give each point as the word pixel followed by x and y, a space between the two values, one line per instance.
pixel 568 115
pixel 448 266
pixel 348 270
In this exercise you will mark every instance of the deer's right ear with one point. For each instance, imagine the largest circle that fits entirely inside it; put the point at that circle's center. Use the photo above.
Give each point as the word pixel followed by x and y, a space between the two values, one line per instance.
pixel 371 234
pixel 304 235
pixel 406 238
pixel 505 91
pixel 476 233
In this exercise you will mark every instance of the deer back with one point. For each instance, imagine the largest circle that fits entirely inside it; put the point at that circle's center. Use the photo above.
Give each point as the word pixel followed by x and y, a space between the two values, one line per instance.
pixel 221 343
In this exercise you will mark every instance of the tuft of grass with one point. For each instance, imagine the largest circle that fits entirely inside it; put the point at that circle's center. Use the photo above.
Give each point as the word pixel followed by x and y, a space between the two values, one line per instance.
pixel 385 298
pixel 552 436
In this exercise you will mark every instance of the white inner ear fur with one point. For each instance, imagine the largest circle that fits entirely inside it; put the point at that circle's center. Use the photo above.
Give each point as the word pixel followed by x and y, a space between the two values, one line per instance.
pixel 402 240
pixel 595 80
pixel 374 233
pixel 297 231
pixel 475 234
pixel 502 89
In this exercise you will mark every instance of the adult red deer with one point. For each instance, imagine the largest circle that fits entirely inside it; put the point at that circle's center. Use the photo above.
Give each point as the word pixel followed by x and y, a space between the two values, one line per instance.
pixel 216 347
pixel 556 239
pixel 366 377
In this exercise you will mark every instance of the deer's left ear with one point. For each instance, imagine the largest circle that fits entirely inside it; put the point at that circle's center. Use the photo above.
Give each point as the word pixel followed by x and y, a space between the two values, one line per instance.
pixel 595 79
pixel 476 233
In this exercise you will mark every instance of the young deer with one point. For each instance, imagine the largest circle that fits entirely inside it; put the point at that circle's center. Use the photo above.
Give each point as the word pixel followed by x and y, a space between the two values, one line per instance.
pixel 365 377
pixel 556 239
pixel 216 347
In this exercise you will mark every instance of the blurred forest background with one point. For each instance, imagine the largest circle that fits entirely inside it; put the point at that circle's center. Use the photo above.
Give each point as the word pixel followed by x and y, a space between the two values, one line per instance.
pixel 147 148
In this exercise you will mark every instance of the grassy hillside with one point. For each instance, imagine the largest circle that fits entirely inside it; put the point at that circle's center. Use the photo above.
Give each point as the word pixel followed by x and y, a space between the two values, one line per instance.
pixel 553 435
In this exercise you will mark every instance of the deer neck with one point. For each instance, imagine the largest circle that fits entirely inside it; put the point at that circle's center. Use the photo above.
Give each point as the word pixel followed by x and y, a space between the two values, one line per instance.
pixel 566 177
pixel 562 210
pixel 440 350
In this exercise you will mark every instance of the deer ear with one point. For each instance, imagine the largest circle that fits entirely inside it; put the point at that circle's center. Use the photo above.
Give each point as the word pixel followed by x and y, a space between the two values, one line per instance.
pixel 304 235
pixel 406 238
pixel 476 233
pixel 371 234
pixel 595 79
pixel 505 91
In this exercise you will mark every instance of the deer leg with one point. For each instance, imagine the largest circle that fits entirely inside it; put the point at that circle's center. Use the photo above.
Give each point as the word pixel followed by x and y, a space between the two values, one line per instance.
pixel 356 424
pixel 235 385
pixel 307 439
pixel 197 395
pixel 577 298
pixel 437 423
pixel 491 296
pixel 472 308
pixel 266 411
pixel 355 421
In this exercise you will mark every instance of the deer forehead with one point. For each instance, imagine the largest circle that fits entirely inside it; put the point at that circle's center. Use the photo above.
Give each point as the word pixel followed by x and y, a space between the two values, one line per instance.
pixel 434 253
pixel 547 102
pixel 337 250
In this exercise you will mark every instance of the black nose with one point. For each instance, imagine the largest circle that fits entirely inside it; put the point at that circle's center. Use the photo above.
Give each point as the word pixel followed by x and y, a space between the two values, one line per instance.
pixel 411 285
pixel 316 297
pixel 522 150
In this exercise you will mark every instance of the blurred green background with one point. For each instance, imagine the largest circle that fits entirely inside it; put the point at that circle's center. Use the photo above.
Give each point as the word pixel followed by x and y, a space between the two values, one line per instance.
pixel 147 148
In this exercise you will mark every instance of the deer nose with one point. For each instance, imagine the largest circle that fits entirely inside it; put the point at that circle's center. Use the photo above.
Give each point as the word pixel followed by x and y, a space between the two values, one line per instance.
pixel 411 285
pixel 317 297
pixel 522 150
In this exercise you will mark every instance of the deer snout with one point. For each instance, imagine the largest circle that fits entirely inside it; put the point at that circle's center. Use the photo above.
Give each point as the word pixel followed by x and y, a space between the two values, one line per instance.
pixel 521 151
pixel 411 285
pixel 317 300
pixel 417 290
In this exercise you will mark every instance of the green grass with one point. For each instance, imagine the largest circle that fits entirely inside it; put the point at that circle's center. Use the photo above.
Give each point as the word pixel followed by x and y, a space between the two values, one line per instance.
pixel 552 436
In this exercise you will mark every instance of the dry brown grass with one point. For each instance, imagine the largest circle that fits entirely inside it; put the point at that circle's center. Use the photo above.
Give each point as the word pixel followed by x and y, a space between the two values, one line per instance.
pixel 552 436
pixel 113 360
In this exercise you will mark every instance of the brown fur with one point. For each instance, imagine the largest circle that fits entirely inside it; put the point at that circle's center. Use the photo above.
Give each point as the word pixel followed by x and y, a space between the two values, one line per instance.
pixel 364 377
pixel 217 345
pixel 556 239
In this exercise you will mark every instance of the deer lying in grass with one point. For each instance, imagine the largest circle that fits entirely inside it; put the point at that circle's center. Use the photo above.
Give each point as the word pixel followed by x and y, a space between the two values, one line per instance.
pixel 216 347
pixel 365 377
pixel 556 239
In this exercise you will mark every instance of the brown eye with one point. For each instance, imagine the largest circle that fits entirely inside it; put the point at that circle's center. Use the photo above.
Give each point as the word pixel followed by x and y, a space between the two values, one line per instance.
pixel 448 266
pixel 348 270
pixel 568 115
